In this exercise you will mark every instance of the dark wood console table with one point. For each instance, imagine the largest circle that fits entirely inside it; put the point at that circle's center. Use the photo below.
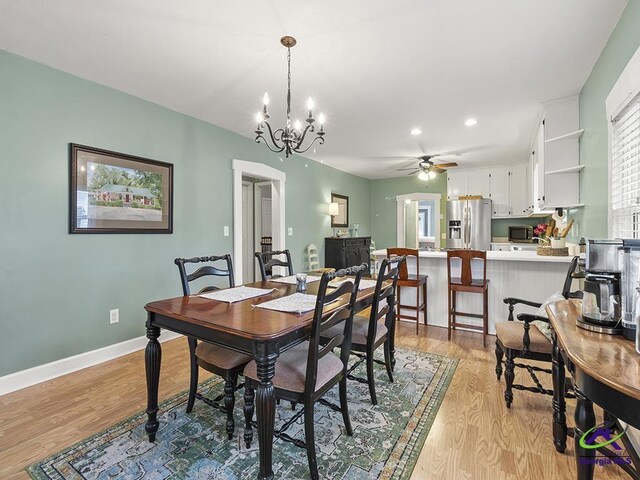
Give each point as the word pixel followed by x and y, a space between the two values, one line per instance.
pixel 606 371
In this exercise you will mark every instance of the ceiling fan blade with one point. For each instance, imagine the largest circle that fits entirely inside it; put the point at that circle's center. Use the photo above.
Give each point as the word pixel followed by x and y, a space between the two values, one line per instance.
pixel 403 169
pixel 414 172
pixel 446 165
pixel 438 170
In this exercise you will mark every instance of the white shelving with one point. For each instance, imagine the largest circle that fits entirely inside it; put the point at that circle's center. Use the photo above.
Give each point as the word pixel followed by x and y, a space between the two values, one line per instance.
pixel 576 169
pixel 567 136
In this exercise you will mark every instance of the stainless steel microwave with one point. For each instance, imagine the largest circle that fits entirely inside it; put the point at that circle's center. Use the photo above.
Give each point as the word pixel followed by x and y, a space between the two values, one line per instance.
pixel 520 234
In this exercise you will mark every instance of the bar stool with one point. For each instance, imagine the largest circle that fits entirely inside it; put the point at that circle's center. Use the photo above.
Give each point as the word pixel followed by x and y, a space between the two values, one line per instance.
pixel 413 281
pixel 465 282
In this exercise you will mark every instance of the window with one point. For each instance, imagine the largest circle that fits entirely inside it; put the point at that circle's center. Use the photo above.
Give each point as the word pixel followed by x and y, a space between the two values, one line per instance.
pixel 625 171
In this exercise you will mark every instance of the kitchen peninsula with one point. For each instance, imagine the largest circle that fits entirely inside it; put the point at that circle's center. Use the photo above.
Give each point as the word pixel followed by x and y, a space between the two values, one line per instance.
pixel 520 274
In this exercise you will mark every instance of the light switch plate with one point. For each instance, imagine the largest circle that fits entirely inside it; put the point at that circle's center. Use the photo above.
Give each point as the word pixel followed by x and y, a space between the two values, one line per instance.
pixel 443 236
pixel 290 231
pixel 226 230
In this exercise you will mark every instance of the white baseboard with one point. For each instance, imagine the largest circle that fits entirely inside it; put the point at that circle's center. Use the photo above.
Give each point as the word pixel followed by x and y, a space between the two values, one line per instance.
pixel 41 373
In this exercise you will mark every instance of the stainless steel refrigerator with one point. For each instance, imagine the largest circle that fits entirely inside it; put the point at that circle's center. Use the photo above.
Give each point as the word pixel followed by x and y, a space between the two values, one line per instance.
pixel 469 224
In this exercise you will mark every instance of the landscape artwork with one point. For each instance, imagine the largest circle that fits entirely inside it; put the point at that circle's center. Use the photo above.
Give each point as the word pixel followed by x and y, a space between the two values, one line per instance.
pixel 118 193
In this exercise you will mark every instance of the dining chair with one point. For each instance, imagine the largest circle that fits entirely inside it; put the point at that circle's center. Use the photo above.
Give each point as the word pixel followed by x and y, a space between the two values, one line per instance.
pixel 417 281
pixel 221 361
pixel 369 333
pixel 267 260
pixel 519 340
pixel 304 373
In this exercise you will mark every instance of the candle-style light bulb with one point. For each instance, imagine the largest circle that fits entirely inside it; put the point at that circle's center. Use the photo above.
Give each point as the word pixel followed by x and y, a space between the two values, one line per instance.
pixel 298 125
pixel 321 119
pixel 265 99
pixel 310 104
pixel 259 118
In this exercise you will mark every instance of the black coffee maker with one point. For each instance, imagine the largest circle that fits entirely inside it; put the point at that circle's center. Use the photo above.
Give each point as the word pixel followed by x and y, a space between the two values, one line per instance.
pixel 603 270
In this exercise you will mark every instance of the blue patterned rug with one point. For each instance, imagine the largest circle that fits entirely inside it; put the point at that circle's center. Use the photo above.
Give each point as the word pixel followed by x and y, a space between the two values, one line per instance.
pixel 386 443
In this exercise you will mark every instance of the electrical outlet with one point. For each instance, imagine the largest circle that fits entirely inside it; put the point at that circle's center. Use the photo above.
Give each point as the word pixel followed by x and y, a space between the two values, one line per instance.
pixel 114 315
pixel 290 231
pixel 443 236
pixel 226 230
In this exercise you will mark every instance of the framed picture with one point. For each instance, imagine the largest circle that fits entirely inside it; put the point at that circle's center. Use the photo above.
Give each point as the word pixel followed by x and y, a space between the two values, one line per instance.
pixel 342 218
pixel 113 192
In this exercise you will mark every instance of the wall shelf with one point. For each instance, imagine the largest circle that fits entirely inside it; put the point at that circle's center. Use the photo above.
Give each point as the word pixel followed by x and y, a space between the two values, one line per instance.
pixel 576 169
pixel 566 136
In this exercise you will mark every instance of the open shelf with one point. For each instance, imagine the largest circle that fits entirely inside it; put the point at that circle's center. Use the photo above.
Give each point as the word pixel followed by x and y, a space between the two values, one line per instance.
pixel 575 169
pixel 566 136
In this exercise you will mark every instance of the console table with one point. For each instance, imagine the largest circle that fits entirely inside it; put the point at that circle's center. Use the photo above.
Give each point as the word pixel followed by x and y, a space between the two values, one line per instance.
pixel 606 371
pixel 346 252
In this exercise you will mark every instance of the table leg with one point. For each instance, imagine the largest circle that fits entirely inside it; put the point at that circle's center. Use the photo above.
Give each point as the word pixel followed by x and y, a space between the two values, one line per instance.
pixel 152 358
pixel 585 419
pixel 265 402
pixel 559 404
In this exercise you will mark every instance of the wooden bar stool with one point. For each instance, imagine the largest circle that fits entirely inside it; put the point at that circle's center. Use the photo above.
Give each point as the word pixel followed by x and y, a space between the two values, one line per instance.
pixel 414 281
pixel 465 282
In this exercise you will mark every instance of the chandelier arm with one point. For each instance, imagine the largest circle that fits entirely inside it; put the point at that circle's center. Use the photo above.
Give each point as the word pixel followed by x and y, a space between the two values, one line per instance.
pixel 274 137
pixel 302 136
pixel 319 139
pixel 275 150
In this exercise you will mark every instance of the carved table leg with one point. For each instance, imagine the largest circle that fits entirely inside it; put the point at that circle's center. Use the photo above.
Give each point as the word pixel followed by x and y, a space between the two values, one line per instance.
pixel 152 358
pixel 265 404
pixel 559 404
pixel 585 419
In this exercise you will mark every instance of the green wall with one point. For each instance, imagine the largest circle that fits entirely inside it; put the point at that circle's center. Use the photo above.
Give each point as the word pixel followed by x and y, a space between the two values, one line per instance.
pixel 57 288
pixel 622 44
pixel 383 204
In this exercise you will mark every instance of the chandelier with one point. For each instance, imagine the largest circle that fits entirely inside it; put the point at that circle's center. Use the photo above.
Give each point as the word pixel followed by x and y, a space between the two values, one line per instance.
pixel 291 138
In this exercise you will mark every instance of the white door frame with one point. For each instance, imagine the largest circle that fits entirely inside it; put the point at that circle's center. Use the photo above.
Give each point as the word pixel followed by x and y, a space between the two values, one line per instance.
pixel 278 178
pixel 400 220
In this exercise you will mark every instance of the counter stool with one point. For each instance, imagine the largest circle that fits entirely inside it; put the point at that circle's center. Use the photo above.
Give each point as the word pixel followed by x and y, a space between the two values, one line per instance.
pixel 417 281
pixel 463 281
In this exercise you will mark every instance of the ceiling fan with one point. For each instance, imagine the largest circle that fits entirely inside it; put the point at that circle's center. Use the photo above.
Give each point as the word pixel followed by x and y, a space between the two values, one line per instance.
pixel 427 169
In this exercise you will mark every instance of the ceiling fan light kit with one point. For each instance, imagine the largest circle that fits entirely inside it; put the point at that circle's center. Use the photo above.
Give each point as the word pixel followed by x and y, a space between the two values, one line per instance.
pixel 291 138
pixel 427 169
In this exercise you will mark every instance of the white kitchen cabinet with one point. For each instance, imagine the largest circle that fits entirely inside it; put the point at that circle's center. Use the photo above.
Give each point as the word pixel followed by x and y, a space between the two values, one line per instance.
pixel 519 193
pixel 499 187
pixel 467 182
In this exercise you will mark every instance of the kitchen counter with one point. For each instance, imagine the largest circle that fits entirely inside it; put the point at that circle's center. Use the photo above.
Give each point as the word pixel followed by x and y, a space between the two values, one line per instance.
pixel 513 256
pixel 520 274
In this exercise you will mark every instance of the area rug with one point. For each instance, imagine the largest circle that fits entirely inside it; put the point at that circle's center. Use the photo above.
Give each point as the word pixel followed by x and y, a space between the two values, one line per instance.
pixel 386 442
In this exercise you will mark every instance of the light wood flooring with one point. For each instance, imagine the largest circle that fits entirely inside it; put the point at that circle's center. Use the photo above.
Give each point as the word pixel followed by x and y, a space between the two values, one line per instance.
pixel 473 437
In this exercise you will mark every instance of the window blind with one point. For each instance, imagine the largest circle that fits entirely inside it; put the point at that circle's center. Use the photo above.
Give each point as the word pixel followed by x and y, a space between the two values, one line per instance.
pixel 625 171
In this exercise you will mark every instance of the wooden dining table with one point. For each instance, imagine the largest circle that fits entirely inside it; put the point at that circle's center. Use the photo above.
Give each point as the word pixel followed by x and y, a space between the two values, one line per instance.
pixel 242 327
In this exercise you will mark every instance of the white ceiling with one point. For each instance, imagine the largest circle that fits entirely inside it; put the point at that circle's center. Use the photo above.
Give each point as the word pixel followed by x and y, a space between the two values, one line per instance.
pixel 376 69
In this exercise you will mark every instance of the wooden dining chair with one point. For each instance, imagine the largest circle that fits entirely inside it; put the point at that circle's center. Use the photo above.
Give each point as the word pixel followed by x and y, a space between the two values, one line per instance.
pixel 369 333
pixel 417 281
pixel 267 260
pixel 520 340
pixel 221 361
pixel 462 280
pixel 304 373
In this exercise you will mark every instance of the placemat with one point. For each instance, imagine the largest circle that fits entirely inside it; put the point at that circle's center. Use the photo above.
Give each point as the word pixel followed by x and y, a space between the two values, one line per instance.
pixel 236 294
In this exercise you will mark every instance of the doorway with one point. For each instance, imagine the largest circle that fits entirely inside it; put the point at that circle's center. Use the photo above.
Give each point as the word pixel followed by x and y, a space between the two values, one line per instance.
pixel 253 183
pixel 418 220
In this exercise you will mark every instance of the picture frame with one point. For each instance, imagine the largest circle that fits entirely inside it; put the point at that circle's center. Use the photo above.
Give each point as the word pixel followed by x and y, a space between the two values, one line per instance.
pixel 342 219
pixel 112 192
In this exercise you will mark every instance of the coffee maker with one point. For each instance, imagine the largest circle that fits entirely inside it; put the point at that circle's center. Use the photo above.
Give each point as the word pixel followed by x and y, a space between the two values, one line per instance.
pixel 603 273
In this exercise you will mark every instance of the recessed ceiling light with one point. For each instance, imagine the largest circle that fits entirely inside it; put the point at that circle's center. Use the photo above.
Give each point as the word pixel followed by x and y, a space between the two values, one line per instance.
pixel 470 122
pixel 415 131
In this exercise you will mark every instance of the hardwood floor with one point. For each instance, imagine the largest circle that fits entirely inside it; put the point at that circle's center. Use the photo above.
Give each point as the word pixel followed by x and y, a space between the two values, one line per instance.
pixel 473 437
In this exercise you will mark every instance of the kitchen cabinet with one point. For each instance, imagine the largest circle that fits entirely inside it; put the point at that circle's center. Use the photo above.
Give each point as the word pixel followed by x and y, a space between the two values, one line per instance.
pixel 467 182
pixel 520 191
pixel 499 187
pixel 346 252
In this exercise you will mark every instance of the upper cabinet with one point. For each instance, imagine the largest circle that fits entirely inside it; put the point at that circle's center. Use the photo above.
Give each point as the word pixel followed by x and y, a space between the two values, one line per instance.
pixel 555 158
pixel 507 186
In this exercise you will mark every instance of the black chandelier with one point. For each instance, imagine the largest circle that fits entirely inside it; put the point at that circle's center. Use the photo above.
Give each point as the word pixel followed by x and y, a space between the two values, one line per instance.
pixel 289 139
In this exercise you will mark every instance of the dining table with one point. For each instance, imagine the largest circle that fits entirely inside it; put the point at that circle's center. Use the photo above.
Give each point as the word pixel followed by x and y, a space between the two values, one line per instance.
pixel 243 327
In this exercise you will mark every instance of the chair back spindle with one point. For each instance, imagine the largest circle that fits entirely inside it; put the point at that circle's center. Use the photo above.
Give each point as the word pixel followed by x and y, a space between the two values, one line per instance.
pixel 206 270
